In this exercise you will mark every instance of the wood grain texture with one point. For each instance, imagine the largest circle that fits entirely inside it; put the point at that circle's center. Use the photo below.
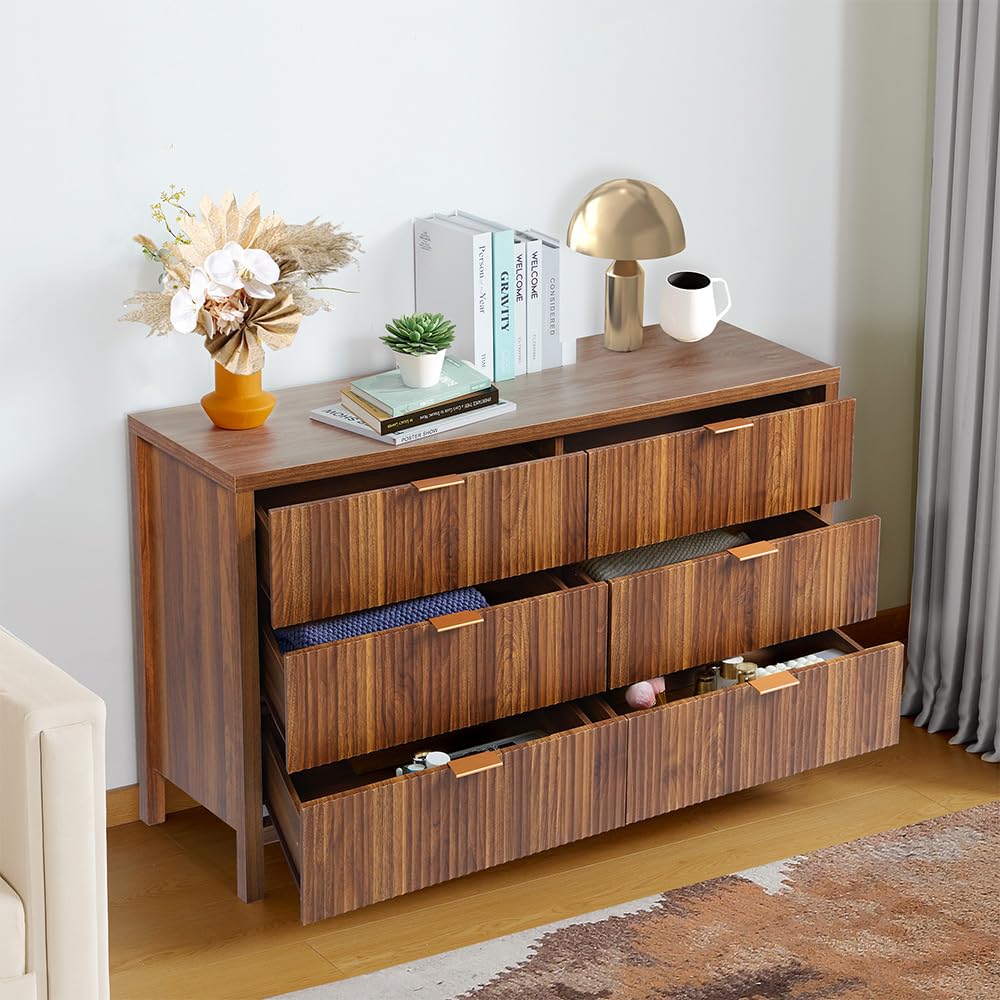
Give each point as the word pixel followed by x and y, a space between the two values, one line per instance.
pixel 703 747
pixel 662 487
pixel 406 833
pixel 199 669
pixel 565 788
pixel 602 388
pixel 679 616
pixel 368 549
pixel 347 698
pixel 146 634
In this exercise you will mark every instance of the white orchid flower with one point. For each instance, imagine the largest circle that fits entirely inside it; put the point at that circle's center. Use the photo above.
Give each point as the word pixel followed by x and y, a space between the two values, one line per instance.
pixel 188 302
pixel 232 268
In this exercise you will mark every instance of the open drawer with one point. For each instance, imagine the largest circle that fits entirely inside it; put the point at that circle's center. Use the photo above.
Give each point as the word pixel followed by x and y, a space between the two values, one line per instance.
pixel 800 575
pixel 366 540
pixel 698 748
pixel 354 834
pixel 737 463
pixel 542 640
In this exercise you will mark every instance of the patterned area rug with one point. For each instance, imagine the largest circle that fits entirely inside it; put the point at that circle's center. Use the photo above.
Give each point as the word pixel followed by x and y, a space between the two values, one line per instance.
pixel 913 914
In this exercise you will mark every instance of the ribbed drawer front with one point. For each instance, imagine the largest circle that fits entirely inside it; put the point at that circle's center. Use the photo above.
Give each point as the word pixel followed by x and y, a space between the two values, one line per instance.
pixel 668 619
pixel 378 841
pixel 655 488
pixel 380 690
pixel 363 550
pixel 703 747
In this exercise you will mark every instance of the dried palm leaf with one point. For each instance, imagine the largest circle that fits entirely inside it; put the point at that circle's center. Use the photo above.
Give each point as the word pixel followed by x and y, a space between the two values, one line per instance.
pixel 151 309
pixel 307 303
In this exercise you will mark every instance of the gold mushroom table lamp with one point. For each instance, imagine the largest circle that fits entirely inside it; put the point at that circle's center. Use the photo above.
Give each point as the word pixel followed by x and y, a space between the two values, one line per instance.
pixel 627 221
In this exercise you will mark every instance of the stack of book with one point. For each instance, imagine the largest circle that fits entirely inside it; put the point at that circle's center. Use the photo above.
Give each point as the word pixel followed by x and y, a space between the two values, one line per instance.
pixel 499 286
pixel 383 408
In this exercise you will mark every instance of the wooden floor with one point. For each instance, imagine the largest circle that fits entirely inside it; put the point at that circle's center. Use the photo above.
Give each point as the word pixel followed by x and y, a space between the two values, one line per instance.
pixel 179 933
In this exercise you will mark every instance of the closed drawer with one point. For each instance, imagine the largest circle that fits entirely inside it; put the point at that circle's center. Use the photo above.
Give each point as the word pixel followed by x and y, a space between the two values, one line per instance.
pixel 702 747
pixel 365 549
pixel 540 642
pixel 799 576
pixel 727 472
pixel 356 838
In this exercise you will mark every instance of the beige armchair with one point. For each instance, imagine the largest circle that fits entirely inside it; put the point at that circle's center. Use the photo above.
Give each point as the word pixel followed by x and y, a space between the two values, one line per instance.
pixel 53 863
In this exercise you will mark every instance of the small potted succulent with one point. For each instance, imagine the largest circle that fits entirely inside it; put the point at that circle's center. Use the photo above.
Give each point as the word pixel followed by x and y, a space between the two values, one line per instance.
pixel 418 344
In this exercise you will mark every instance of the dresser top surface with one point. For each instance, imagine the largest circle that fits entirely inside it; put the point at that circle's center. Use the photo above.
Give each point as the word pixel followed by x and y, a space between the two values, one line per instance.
pixel 601 389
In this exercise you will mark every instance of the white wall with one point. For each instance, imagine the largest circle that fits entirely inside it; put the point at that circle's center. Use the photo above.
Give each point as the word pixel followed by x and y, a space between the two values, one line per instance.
pixel 792 136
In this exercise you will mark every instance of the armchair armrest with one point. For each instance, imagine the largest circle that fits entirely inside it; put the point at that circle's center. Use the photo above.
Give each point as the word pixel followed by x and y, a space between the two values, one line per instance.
pixel 52 821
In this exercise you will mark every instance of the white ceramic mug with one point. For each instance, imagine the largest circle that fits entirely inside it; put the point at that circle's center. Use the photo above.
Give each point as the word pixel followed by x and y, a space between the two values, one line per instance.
pixel 688 311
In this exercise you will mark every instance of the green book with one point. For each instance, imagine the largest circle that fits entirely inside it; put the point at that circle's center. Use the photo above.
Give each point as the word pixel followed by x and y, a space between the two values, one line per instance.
pixel 387 391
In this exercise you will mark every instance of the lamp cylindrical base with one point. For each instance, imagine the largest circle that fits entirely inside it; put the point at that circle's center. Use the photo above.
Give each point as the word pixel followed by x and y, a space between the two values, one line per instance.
pixel 624 286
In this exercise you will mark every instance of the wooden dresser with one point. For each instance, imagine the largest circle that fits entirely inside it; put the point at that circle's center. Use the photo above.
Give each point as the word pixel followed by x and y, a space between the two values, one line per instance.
pixel 239 533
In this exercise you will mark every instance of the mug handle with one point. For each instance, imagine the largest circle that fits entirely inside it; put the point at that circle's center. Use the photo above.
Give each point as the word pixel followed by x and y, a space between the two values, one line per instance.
pixel 729 300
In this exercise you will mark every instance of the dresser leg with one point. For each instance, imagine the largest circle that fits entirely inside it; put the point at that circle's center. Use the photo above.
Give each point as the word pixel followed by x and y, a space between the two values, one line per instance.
pixel 250 860
pixel 152 797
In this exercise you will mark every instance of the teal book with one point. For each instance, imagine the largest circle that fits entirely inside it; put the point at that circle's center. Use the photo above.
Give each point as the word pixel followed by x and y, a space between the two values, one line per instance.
pixel 387 391
pixel 504 334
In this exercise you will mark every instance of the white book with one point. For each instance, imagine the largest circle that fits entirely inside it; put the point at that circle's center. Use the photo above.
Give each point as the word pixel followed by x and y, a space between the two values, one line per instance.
pixel 533 300
pixel 552 347
pixel 520 307
pixel 453 275
pixel 504 315
pixel 337 416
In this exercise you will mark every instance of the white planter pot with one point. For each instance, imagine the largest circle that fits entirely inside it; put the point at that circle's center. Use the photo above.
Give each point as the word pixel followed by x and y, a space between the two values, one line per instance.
pixel 420 371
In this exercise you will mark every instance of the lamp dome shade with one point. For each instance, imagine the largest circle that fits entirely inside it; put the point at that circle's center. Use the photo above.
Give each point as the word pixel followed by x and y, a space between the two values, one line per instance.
pixel 626 219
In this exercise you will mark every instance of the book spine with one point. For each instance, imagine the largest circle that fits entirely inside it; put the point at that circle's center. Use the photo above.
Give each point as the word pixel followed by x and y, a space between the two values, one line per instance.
pixel 337 417
pixel 520 309
pixel 429 430
pixel 503 305
pixel 533 304
pixel 482 267
pixel 393 424
pixel 446 263
pixel 552 351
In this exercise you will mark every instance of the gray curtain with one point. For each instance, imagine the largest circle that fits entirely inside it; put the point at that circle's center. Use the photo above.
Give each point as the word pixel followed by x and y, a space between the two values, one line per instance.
pixel 953 676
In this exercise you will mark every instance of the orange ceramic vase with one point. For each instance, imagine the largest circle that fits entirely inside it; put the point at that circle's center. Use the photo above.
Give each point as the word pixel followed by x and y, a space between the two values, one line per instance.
pixel 238 402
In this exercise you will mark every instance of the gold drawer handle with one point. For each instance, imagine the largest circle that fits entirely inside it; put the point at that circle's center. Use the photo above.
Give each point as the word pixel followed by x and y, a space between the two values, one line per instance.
pixel 726 426
pixel 755 550
pixel 437 483
pixel 774 682
pixel 485 761
pixel 459 619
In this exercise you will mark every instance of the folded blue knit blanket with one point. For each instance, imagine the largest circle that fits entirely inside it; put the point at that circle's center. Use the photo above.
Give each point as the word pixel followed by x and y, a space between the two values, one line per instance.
pixel 378 619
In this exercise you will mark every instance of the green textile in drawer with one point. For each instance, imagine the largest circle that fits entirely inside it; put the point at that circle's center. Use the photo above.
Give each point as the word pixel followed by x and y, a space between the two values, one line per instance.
pixel 674 550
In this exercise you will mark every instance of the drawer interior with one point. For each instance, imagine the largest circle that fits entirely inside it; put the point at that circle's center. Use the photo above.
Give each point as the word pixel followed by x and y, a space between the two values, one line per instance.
pixel 497 592
pixel 355 773
pixel 399 475
pixel 681 685
pixel 694 418
pixel 766 529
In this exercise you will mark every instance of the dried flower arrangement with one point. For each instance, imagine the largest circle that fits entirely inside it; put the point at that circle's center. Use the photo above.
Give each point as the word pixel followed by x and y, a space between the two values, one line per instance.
pixel 240 279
